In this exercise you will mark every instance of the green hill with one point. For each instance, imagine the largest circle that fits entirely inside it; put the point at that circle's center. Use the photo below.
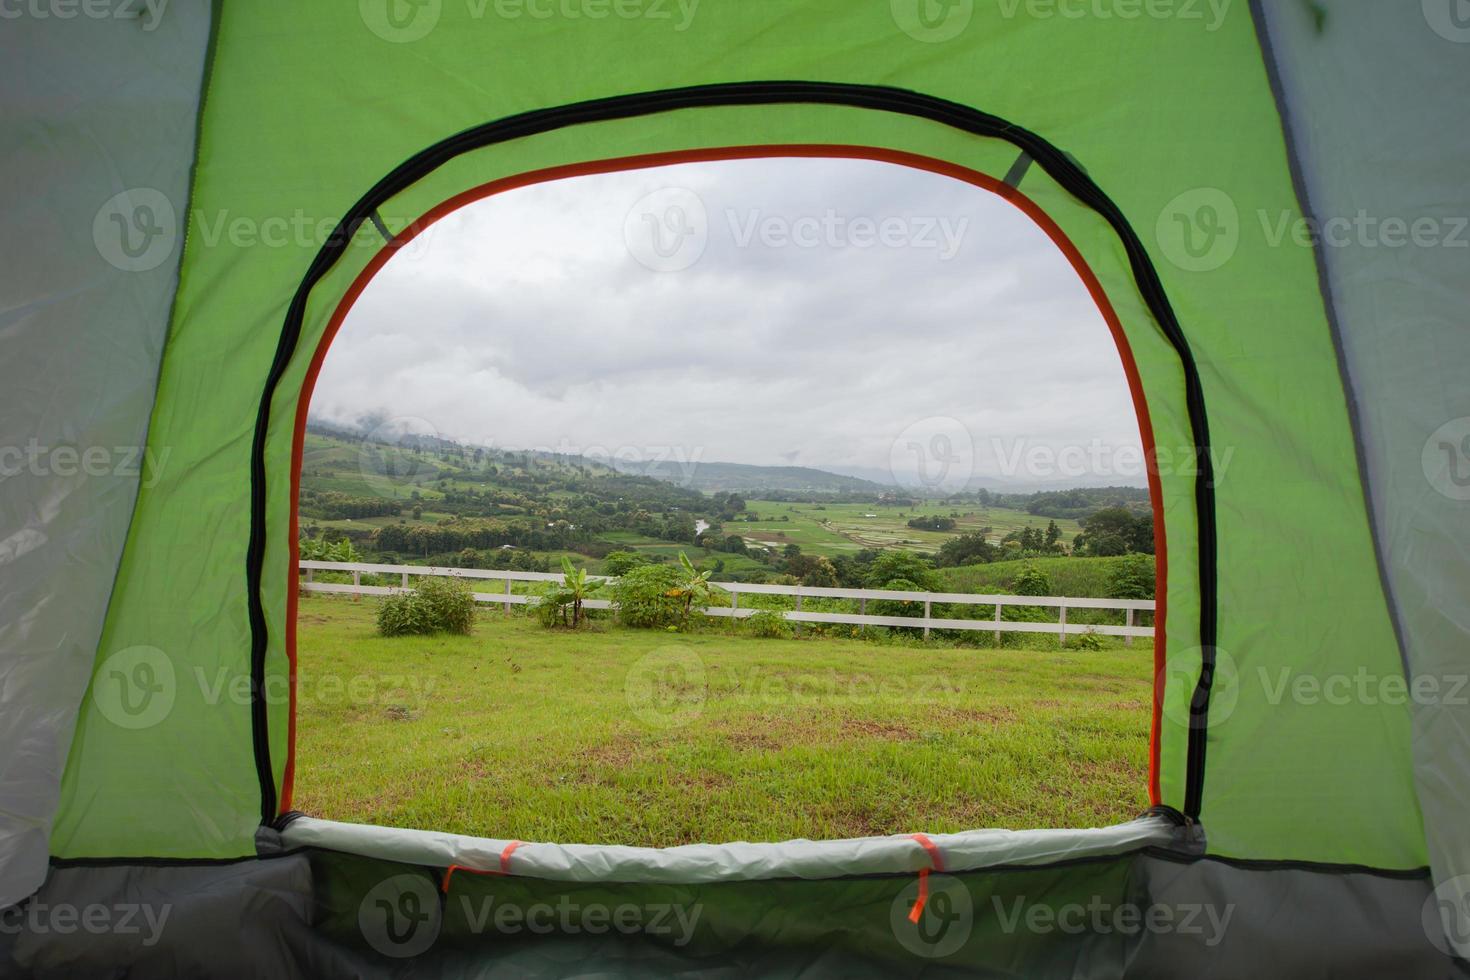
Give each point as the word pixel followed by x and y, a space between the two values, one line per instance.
pixel 744 478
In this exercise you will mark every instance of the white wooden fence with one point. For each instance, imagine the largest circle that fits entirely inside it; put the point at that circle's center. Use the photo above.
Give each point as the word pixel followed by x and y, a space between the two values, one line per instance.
pixel 508 598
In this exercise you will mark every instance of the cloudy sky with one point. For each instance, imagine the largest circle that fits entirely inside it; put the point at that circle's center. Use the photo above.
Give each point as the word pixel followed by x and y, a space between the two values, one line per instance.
pixel 842 314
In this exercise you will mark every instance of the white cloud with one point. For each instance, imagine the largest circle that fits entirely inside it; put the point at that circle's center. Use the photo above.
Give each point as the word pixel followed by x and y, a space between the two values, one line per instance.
pixel 527 320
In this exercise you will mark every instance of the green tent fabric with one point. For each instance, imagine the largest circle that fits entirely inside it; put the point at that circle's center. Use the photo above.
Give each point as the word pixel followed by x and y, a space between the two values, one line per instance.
pixel 1301 396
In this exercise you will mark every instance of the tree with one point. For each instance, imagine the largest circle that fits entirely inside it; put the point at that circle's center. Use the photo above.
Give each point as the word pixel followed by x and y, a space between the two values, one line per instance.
pixel 889 565
pixel 967 549
pixel 820 573
pixel 1053 535
pixel 619 562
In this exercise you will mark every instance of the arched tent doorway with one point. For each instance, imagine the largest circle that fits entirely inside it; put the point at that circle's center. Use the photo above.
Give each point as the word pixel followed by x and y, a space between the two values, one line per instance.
pixel 1018 144
pixel 410 239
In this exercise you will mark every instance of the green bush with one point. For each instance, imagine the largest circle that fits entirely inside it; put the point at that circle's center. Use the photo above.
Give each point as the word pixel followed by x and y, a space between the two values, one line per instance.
pixel 437 605
pixel 898 607
pixel 617 563
pixel 1086 641
pixel 1033 581
pixel 649 596
pixel 1025 614
pixel 1132 578
pixel 768 625
pixel 890 565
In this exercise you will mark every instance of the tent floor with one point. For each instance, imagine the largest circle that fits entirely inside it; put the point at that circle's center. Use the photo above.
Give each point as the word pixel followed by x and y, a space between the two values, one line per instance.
pixel 314 912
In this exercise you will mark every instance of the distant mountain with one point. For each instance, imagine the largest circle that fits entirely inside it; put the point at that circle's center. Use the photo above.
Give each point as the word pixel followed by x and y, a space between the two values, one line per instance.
pixel 744 478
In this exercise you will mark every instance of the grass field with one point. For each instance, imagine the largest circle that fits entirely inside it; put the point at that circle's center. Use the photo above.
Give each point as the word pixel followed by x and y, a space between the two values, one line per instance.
pixel 845 528
pixel 1069 576
pixel 641 737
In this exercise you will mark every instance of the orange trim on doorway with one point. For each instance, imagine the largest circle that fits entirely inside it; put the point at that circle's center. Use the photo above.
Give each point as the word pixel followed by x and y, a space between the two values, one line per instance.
pixel 711 155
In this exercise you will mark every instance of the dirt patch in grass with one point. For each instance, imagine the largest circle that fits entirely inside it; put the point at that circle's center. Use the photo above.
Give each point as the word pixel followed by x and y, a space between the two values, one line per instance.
pixel 888 731
pixel 995 715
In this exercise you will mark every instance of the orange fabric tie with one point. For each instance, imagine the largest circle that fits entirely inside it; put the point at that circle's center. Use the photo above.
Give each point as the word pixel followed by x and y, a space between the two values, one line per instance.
pixel 937 863
pixel 504 866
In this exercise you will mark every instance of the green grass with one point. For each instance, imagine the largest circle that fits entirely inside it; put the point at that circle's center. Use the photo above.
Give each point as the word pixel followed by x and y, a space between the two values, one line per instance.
pixel 1069 576
pixel 846 528
pixel 520 732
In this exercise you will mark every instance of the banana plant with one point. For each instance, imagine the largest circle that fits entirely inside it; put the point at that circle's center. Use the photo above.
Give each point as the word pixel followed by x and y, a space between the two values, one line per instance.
pixel 694 586
pixel 576 589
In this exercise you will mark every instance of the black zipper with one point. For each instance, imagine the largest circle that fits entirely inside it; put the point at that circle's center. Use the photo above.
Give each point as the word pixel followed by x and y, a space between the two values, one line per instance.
pixel 1057 164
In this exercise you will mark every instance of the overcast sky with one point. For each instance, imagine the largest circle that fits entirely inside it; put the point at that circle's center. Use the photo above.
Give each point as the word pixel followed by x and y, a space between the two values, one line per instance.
pixel 841 314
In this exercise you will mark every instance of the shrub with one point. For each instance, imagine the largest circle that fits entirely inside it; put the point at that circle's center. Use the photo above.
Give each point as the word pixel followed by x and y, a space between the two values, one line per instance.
pixel 768 625
pixel 650 596
pixel 1132 578
pixel 1033 581
pixel 1087 641
pixel 1025 614
pixel 898 607
pixel 437 605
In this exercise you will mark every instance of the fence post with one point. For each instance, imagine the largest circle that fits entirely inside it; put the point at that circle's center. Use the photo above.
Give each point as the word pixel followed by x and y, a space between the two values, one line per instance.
pixel 926 619
pixel 798 609
pixel 997 623
pixel 863 606
pixel 404 583
pixel 356 583
pixel 507 597
pixel 1128 640
pixel 310 572
pixel 1064 626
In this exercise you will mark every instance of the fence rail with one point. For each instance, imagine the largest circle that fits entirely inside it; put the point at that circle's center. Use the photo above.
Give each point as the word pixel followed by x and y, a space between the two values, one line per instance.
pixel 928 622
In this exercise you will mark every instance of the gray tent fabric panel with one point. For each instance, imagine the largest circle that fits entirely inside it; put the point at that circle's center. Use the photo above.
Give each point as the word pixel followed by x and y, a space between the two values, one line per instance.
pixel 1395 246
pixel 97 126
pixel 1143 913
